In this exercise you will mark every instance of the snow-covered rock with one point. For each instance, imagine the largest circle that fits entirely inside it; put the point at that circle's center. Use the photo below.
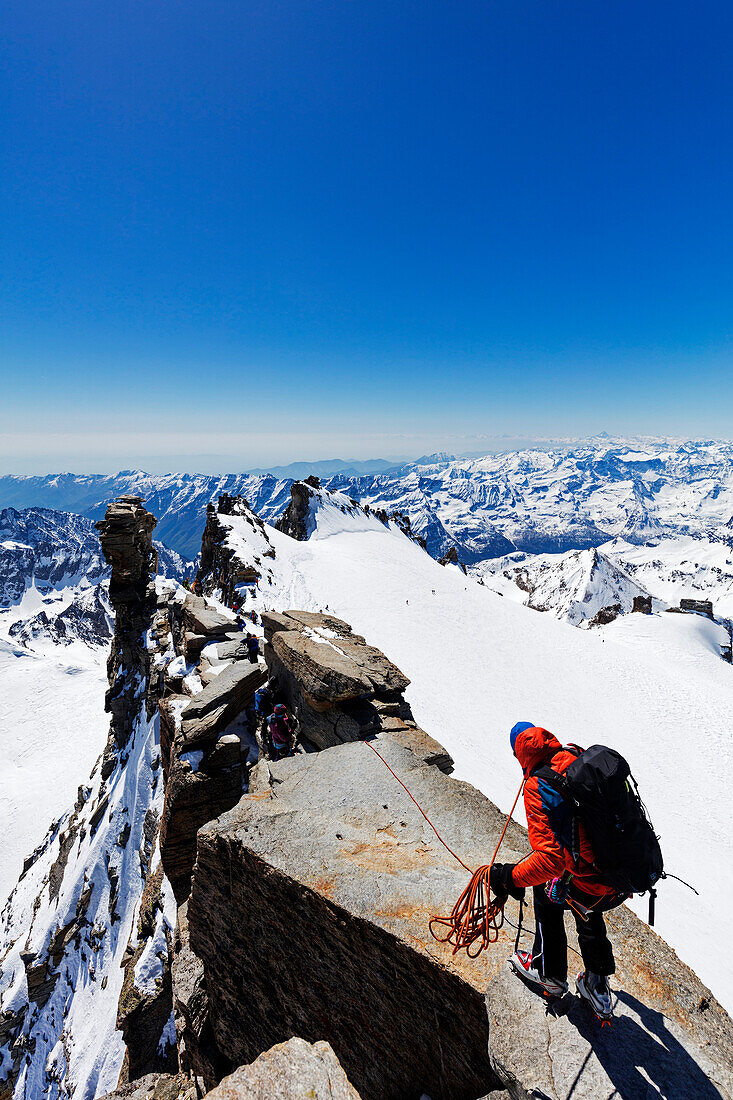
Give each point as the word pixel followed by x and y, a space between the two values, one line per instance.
pixel 51 550
pixel 576 586
pixel 86 618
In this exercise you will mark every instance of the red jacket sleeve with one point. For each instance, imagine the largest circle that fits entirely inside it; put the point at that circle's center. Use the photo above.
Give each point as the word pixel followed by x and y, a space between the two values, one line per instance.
pixel 547 858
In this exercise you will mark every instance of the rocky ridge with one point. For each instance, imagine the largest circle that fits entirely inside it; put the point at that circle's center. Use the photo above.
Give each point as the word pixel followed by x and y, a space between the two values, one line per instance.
pixel 67 925
pixel 315 890
pixel 287 904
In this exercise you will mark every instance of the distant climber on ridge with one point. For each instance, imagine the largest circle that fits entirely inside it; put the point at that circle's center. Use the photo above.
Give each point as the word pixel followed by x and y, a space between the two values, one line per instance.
pixel 560 879
pixel 253 647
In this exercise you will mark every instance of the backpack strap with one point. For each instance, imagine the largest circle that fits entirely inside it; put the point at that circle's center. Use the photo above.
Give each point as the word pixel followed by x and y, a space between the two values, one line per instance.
pixel 558 783
pixel 544 771
pixel 549 773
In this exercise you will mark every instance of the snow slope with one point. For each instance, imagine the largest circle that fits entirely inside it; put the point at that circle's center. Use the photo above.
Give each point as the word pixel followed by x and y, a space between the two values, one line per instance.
pixel 77 1050
pixel 52 729
pixel 654 687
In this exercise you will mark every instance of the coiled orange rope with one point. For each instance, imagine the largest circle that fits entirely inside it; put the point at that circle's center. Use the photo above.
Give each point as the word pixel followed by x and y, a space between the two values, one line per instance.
pixel 475 918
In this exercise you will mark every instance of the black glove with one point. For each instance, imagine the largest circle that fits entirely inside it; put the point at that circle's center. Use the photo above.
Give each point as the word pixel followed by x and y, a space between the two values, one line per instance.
pixel 500 881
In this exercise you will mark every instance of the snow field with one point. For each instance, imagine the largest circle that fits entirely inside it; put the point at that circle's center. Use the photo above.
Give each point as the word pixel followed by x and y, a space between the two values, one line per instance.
pixel 52 729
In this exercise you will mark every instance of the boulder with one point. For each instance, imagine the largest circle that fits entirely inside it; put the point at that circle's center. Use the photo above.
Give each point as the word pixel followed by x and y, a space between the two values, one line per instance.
pixel 425 747
pixel 644 1053
pixel 220 702
pixel 199 618
pixel 340 688
pixel 642 605
pixel 295 1070
pixel 315 896
pixel 332 664
pixel 236 649
pixel 193 644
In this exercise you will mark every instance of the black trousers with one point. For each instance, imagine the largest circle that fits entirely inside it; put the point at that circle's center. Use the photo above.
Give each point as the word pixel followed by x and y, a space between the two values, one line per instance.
pixel 550 951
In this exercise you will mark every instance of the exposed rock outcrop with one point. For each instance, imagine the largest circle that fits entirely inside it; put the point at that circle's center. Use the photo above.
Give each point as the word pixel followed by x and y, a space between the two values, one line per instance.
pixel 126 534
pixel 297 520
pixel 452 558
pixel 606 615
pixel 702 607
pixel 197 1051
pixel 644 1054
pixel 339 871
pixel 294 1070
pixel 642 605
pixel 289 1071
pixel 200 787
pixel 316 896
pixel 339 687
pixel 220 568
pixel 204 757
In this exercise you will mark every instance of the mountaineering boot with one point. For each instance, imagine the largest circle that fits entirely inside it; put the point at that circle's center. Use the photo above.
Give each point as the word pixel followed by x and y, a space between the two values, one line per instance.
pixel 521 963
pixel 595 989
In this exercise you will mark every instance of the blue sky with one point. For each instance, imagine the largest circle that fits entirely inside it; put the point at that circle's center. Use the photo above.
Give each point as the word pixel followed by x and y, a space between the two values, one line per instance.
pixel 243 233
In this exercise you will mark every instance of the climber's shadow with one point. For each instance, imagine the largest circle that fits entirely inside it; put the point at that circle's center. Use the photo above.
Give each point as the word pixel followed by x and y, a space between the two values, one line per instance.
pixel 640 1056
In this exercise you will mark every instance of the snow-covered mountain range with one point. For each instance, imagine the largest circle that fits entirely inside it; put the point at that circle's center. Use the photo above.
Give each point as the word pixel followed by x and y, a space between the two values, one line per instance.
pixel 539 501
pixel 51 550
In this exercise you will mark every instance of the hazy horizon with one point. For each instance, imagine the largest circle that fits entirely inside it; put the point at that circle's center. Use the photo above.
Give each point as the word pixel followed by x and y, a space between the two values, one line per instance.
pixel 213 464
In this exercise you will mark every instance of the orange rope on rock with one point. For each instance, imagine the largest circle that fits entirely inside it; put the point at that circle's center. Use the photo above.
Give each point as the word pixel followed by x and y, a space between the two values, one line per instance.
pixel 475 917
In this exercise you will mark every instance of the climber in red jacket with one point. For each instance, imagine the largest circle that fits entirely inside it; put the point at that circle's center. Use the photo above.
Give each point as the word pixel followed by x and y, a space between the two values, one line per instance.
pixel 558 880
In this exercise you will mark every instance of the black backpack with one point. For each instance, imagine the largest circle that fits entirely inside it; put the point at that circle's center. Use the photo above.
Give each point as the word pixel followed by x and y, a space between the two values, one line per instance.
pixel 601 793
